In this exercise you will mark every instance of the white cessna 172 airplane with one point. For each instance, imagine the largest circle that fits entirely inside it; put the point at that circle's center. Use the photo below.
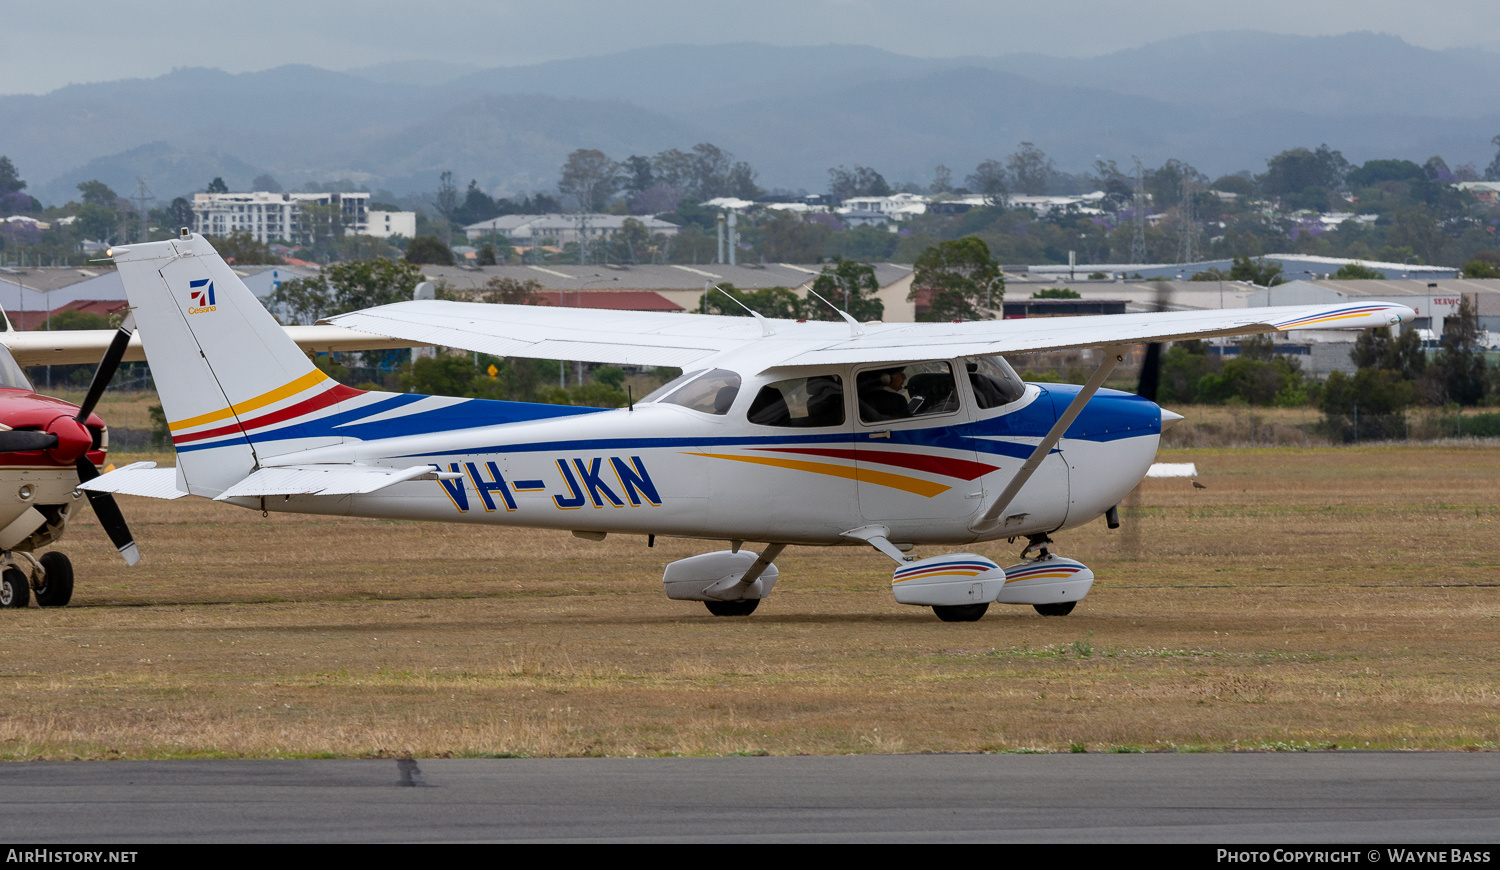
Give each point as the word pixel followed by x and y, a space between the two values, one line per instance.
pixel 782 432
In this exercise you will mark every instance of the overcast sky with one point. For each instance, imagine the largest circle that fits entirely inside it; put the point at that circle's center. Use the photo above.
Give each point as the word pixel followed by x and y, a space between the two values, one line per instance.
pixel 47 46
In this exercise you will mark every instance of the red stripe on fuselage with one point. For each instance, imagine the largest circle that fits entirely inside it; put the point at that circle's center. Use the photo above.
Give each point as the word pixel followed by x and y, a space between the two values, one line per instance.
pixel 962 469
pixel 338 393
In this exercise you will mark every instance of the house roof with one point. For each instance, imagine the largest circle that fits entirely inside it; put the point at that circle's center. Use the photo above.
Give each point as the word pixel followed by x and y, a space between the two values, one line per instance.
pixel 38 319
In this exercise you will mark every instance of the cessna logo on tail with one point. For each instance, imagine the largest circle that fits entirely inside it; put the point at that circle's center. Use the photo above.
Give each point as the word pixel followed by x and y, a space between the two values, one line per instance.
pixel 201 296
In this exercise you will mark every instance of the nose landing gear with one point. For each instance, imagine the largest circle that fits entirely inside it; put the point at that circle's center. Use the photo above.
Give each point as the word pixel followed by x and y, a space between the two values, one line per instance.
pixel 21 574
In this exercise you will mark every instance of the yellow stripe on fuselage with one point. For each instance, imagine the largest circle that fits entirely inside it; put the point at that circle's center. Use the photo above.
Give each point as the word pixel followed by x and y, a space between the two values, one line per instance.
pixel 310 379
pixel 849 472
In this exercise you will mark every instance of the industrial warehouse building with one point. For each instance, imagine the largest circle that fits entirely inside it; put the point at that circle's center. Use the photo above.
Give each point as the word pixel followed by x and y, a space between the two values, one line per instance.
pixel 560 229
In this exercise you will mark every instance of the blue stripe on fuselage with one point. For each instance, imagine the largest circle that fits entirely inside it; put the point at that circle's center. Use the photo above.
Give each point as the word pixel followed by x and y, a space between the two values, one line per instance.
pixel 1109 415
pixel 467 414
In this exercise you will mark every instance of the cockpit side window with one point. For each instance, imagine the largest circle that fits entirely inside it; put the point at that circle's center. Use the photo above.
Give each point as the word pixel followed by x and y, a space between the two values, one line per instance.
pixel 914 390
pixel 12 376
pixel 995 383
pixel 711 393
pixel 800 402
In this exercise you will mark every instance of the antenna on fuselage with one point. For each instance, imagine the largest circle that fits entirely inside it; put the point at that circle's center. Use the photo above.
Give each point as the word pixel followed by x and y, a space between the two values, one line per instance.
pixel 766 330
pixel 855 330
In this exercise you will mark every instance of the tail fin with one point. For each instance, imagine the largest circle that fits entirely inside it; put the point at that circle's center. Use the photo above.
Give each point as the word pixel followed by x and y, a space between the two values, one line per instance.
pixel 227 373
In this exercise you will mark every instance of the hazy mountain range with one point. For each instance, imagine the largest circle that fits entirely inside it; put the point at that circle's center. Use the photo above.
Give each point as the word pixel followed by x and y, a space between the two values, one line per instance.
pixel 1221 101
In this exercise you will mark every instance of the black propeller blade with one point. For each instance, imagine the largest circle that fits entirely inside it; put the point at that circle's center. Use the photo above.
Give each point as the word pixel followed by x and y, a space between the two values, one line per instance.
pixel 17 440
pixel 1151 364
pixel 106 370
pixel 108 511
pixel 103 503
pixel 1150 372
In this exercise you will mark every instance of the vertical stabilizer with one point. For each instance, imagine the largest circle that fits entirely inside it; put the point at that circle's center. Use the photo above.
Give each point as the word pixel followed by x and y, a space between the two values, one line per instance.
pixel 228 375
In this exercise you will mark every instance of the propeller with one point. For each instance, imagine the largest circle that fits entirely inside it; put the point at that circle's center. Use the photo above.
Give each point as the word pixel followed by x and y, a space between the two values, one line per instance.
pixel 1151 363
pixel 1150 372
pixel 69 438
pixel 19 440
pixel 1146 388
pixel 103 503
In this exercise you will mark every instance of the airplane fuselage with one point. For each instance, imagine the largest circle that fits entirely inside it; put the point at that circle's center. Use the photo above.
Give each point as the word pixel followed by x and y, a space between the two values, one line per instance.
pixel 665 469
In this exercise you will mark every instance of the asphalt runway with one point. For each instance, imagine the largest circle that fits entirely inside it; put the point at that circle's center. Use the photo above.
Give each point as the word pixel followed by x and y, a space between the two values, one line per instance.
pixel 1207 798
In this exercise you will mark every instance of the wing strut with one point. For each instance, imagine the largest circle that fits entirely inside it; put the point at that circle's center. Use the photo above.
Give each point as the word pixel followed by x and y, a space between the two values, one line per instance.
pixel 1113 354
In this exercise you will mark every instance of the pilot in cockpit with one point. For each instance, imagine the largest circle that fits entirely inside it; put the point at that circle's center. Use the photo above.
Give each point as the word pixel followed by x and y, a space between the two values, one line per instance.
pixel 881 392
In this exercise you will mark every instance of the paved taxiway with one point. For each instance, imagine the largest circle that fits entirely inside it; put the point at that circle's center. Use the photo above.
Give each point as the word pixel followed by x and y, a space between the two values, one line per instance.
pixel 1302 797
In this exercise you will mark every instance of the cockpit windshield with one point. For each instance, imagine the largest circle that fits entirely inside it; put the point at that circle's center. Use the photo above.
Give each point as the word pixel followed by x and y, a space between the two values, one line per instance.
pixel 12 376
pixel 711 393
pixel 657 394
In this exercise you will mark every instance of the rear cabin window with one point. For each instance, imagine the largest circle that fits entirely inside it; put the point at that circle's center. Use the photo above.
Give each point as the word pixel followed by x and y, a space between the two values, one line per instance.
pixel 711 393
pixel 800 402
pixel 995 383
pixel 902 392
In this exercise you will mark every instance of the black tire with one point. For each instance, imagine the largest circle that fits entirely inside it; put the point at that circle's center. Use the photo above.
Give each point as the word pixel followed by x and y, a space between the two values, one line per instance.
pixel 15 589
pixel 743 607
pixel 1061 608
pixel 57 589
pixel 960 612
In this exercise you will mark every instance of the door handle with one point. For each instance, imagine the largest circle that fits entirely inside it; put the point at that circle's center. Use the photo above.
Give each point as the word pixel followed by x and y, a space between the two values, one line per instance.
pixel 886 433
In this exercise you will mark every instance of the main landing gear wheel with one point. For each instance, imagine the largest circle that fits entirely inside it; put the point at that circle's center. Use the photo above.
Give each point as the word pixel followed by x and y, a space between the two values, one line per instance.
pixel 15 589
pixel 57 589
pixel 960 612
pixel 1061 608
pixel 743 607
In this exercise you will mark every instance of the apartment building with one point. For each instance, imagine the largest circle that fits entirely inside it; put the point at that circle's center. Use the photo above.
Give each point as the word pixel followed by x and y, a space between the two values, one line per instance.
pixel 280 216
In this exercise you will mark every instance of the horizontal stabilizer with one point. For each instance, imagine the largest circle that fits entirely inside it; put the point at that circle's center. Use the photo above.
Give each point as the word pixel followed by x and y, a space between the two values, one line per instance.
pixel 326 480
pixel 137 478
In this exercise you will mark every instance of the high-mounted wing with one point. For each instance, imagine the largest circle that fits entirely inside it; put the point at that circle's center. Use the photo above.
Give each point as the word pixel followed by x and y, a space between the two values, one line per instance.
pixel 907 341
pixel 642 338
pixel 74 346
pixel 621 337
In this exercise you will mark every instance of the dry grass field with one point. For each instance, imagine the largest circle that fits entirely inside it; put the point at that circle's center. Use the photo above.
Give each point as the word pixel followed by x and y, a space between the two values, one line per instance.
pixel 1305 599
